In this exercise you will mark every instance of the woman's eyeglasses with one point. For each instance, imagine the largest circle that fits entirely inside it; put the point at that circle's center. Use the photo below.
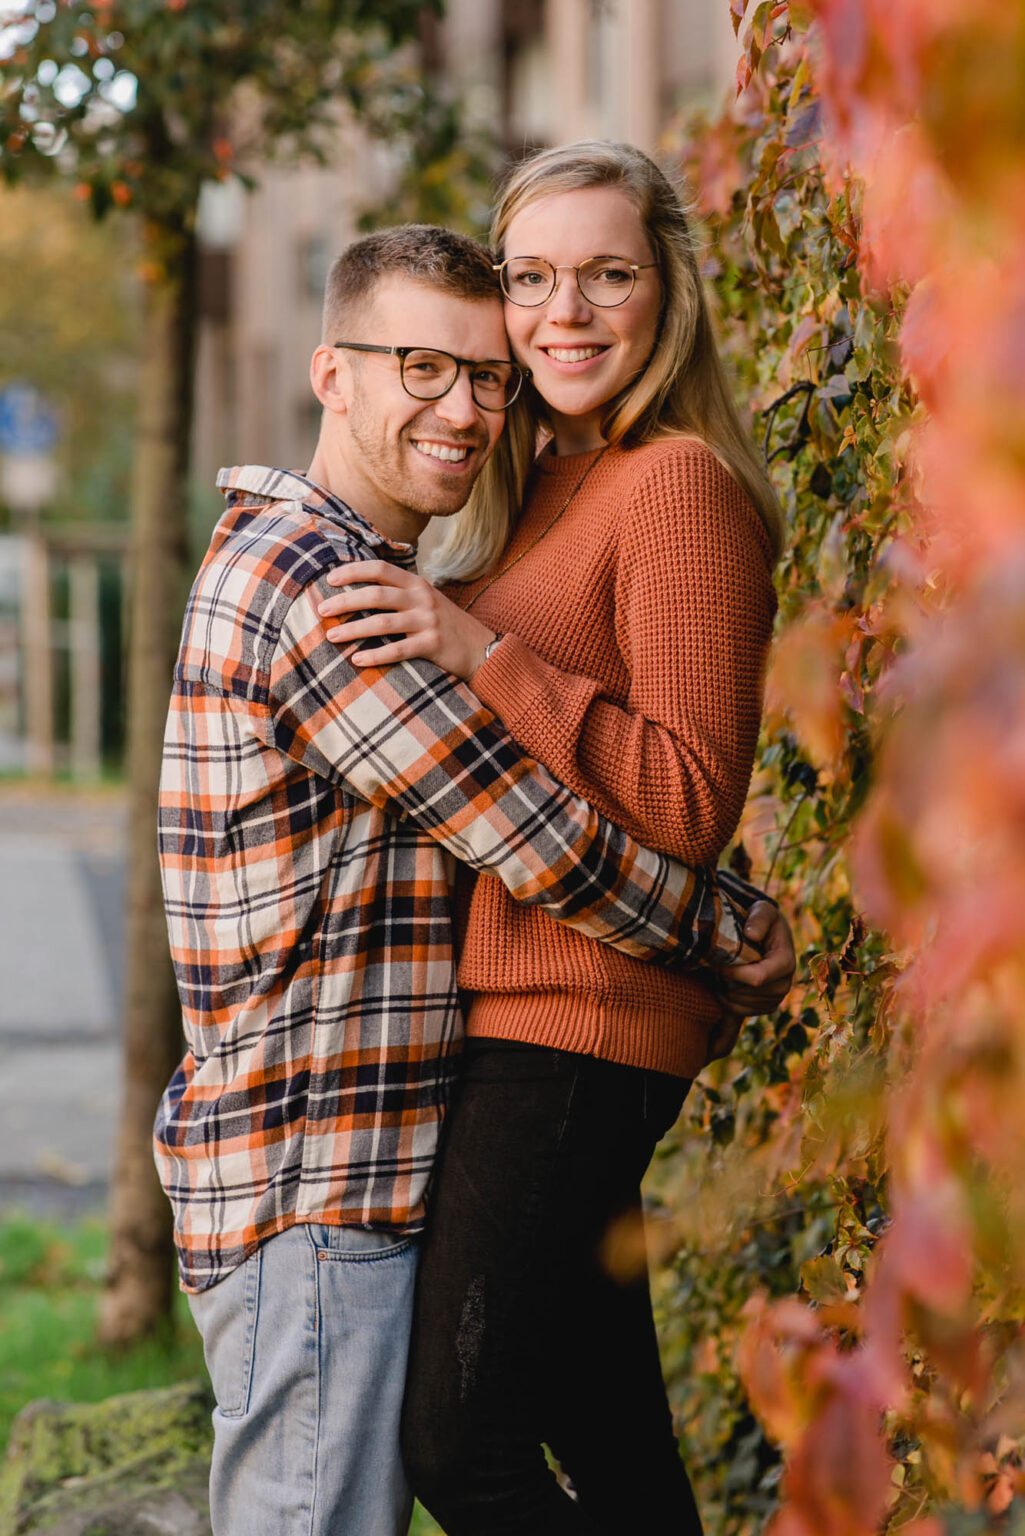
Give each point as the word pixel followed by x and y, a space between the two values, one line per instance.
pixel 427 374
pixel 605 281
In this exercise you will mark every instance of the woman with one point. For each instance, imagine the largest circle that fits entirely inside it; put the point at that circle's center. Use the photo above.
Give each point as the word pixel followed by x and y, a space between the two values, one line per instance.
pixel 620 634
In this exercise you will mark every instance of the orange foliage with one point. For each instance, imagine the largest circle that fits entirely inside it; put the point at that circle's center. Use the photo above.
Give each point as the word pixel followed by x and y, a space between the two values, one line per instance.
pixel 924 126
pixel 820 1404
pixel 804 683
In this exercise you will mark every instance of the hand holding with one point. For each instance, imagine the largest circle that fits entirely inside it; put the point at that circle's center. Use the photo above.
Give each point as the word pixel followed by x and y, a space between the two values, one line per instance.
pixel 403 604
pixel 760 987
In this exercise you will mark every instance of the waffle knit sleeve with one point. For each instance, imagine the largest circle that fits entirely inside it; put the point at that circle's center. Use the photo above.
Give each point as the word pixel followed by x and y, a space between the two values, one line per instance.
pixel 413 741
pixel 694 605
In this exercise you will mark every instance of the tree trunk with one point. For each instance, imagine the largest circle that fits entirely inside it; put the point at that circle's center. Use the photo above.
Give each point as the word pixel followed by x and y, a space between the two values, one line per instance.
pixel 140 1286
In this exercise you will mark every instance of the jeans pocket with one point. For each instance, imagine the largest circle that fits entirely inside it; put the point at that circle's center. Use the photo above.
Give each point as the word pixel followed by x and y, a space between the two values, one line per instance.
pixel 357 1245
pixel 227 1316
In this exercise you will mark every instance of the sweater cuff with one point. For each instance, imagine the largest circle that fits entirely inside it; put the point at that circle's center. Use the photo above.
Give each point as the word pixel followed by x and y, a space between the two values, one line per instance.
pixel 511 680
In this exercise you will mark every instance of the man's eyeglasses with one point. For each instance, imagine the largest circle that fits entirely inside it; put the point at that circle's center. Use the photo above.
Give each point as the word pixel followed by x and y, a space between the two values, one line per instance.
pixel 427 374
pixel 605 281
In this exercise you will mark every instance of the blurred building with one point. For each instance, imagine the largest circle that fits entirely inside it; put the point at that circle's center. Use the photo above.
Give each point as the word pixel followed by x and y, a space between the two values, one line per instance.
pixel 534 72
pixel 527 73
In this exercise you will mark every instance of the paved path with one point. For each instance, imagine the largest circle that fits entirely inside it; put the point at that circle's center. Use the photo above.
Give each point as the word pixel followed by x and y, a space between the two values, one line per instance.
pixel 61 887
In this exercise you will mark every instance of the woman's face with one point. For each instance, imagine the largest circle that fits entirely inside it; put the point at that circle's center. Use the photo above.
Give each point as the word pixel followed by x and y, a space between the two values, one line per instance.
pixel 581 354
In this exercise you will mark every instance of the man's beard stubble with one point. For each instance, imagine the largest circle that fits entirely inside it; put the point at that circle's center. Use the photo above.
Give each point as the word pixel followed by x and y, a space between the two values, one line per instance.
pixel 383 461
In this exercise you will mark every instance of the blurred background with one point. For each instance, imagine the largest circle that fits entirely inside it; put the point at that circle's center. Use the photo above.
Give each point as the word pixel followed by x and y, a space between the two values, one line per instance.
pixel 844 1221
pixel 498 77
pixel 421 129
pixel 477 87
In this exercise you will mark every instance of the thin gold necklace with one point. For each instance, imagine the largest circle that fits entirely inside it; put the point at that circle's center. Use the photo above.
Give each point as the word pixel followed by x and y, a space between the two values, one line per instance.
pixel 543 534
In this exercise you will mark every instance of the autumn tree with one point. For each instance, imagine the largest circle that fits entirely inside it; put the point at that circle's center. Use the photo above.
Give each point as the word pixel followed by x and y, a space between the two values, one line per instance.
pixel 140 103
pixel 68 272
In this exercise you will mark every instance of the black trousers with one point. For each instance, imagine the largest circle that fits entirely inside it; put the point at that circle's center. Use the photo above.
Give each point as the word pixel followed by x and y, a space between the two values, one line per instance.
pixel 521 1336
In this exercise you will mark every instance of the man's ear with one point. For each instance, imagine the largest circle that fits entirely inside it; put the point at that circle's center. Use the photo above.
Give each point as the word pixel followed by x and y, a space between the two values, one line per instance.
pixel 331 379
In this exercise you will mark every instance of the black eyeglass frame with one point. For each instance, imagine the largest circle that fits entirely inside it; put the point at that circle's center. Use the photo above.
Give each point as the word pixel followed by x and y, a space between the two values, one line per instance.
pixel 518 371
pixel 565 266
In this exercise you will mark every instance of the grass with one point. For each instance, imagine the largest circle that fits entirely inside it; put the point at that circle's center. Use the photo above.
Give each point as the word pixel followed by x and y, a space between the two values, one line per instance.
pixel 51 1280
pixel 423 1525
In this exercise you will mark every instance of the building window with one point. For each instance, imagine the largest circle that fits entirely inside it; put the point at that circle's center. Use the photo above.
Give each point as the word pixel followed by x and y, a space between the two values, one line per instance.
pixel 314 265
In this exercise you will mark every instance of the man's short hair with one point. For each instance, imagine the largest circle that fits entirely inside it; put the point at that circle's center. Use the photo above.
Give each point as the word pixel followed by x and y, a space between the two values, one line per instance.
pixel 439 257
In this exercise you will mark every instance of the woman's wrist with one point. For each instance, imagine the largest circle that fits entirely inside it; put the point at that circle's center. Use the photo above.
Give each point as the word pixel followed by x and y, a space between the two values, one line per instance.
pixel 490 640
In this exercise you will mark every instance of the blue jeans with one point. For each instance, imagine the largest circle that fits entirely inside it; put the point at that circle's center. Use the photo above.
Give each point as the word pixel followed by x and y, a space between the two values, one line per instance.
pixel 306 1346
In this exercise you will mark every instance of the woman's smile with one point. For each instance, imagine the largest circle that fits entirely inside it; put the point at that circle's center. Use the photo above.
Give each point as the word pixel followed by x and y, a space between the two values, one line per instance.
pixel 575 358
pixel 583 354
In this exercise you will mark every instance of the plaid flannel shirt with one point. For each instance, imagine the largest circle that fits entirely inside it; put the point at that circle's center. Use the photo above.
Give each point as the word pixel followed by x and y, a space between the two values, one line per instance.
pixel 309 816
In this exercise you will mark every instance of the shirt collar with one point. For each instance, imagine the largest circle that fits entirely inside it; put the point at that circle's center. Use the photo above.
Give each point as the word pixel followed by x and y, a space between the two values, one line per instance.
pixel 262 484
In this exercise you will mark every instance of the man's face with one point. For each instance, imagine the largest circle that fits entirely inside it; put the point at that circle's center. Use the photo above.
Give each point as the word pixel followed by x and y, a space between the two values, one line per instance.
pixel 392 443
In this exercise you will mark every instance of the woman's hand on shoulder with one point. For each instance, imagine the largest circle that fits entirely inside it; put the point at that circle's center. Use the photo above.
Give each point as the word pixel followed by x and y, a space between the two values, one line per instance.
pixel 396 602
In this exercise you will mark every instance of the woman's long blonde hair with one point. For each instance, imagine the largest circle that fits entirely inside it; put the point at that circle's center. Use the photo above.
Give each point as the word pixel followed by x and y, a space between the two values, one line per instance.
pixel 682 392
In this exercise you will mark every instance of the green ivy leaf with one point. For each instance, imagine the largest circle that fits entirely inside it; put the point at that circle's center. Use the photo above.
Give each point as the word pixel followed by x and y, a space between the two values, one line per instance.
pixel 823 1279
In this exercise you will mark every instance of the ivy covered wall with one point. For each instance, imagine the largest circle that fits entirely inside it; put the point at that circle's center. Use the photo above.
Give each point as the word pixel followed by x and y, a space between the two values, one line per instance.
pixel 841 1314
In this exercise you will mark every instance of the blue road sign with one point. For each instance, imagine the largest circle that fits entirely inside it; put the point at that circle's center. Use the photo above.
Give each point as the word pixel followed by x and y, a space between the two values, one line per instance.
pixel 28 423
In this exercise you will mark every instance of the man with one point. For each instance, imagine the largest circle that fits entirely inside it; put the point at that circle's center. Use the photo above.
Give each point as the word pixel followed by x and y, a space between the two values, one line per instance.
pixel 309 815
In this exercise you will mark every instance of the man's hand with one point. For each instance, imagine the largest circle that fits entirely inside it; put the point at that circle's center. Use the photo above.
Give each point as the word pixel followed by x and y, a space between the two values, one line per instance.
pixel 746 990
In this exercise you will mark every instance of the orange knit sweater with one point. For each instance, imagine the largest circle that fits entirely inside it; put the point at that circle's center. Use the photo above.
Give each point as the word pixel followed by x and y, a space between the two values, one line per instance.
pixel 635 630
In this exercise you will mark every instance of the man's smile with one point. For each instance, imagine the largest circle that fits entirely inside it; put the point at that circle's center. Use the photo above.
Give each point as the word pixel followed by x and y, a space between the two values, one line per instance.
pixel 448 453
